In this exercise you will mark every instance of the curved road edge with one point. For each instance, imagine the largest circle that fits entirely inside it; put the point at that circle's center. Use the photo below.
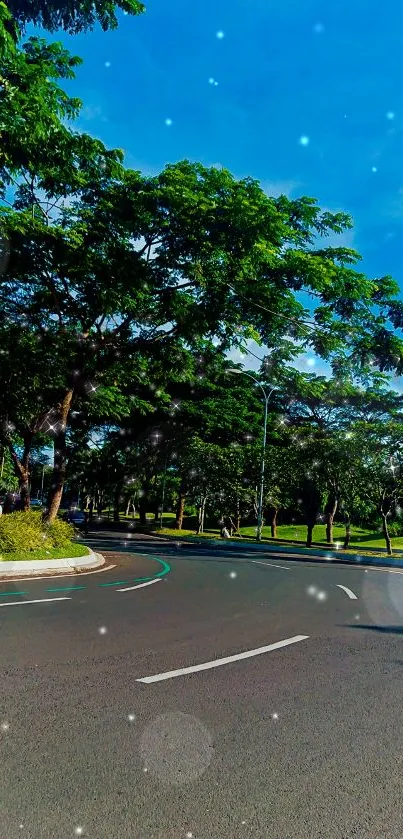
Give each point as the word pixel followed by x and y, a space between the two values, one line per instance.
pixel 37 567
pixel 290 553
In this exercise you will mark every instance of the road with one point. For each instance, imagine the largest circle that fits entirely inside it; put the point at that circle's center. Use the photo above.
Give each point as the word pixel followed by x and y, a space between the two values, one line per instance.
pixel 103 734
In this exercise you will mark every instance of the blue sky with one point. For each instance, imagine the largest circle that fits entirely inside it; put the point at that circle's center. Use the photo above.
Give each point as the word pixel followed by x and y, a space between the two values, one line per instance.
pixel 330 73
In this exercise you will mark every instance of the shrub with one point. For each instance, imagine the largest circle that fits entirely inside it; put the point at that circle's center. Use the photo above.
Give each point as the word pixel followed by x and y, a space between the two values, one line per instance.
pixel 395 528
pixel 27 532
pixel 22 532
pixel 60 533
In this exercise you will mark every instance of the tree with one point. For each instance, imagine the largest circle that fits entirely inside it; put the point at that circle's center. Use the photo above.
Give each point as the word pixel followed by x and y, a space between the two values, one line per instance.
pixel 324 410
pixel 381 468
pixel 129 267
pixel 72 15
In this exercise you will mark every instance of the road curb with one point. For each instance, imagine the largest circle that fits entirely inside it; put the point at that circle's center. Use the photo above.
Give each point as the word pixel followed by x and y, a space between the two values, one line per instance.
pixel 291 553
pixel 37 567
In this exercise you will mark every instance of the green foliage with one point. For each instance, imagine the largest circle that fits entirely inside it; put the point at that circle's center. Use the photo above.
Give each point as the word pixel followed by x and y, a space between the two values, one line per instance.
pixel 8 480
pixel 127 288
pixel 59 532
pixel 71 550
pixel 26 532
pixel 22 531
pixel 72 15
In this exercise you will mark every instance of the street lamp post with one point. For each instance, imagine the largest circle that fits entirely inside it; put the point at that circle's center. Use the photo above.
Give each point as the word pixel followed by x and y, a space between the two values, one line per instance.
pixel 163 491
pixel 262 465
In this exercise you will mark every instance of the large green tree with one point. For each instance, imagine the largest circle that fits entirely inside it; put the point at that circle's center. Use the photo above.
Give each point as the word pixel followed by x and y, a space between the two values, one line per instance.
pixel 72 15
pixel 109 269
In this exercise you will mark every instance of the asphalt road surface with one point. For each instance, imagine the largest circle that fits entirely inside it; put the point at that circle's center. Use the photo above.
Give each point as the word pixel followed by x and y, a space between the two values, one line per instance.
pixel 191 693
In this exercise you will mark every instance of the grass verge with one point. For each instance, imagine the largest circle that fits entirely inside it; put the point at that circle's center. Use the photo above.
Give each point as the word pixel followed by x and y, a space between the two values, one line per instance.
pixel 353 549
pixel 66 552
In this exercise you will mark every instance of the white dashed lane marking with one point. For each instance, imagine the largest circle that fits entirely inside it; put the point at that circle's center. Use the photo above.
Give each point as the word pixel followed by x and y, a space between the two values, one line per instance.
pixel 141 585
pixel 283 567
pixel 28 602
pixel 171 674
pixel 348 591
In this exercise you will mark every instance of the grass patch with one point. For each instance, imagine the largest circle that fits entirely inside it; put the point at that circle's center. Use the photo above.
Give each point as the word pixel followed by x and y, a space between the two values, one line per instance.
pixel 167 531
pixel 249 534
pixel 71 550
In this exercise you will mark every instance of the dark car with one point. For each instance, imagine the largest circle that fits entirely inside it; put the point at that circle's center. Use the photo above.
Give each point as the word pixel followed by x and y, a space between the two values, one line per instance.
pixel 35 503
pixel 75 517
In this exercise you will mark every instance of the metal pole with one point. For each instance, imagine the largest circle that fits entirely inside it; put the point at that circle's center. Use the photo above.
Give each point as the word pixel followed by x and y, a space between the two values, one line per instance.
pixel 262 467
pixel 261 493
pixel 163 491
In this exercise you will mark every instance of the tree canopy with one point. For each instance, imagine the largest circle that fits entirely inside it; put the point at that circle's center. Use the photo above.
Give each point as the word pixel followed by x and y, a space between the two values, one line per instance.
pixel 72 15
pixel 121 295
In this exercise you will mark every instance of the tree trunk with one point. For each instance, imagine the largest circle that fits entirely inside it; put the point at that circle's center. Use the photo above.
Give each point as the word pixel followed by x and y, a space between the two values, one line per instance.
pixel 202 511
pixel 309 535
pixel 180 507
pixel 99 505
pixel 60 459
pixel 91 509
pixel 8 504
pixel 21 470
pixel 116 504
pixel 143 509
pixel 273 522
pixel 386 534
pixel 348 534
pixel 237 516
pixel 331 512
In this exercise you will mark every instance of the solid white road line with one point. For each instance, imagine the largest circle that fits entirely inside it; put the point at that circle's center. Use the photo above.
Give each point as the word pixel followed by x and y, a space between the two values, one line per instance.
pixel 348 591
pixel 285 567
pixel 141 585
pixel 171 674
pixel 26 602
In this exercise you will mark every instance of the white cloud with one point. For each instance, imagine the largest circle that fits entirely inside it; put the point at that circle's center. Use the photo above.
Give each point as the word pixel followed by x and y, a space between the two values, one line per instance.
pixel 90 112
pixel 276 188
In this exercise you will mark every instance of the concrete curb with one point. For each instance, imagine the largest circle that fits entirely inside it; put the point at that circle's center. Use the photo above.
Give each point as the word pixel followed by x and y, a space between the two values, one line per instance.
pixel 291 553
pixel 36 567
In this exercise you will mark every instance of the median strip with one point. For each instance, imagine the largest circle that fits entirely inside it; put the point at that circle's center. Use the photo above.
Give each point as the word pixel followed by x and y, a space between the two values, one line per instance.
pixel 171 674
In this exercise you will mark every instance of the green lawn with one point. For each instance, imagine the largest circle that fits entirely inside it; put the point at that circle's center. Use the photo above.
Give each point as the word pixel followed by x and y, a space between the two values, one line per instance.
pixel 360 538
pixel 71 550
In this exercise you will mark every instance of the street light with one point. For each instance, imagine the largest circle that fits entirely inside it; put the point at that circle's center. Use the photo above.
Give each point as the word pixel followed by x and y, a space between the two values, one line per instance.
pixel 262 467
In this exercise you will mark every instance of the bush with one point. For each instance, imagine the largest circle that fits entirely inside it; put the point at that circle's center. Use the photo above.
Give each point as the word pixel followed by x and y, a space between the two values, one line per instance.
pixel 22 532
pixel 27 532
pixel 60 533
pixel 395 528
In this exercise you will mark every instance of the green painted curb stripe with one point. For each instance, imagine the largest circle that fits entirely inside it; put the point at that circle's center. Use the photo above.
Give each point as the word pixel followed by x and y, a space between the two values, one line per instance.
pixel 67 588
pixel 7 593
pixel 166 568
pixel 116 583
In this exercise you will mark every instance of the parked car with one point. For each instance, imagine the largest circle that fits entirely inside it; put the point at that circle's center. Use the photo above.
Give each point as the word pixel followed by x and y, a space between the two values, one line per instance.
pixel 35 503
pixel 75 517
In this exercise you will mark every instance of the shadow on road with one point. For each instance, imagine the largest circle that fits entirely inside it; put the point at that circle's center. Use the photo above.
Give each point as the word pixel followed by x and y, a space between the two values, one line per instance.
pixel 387 630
